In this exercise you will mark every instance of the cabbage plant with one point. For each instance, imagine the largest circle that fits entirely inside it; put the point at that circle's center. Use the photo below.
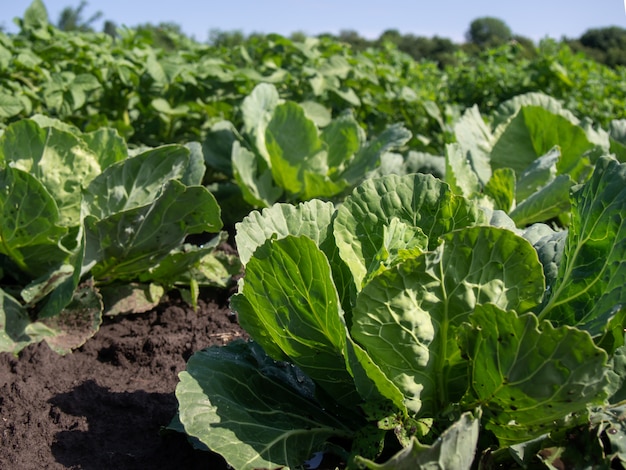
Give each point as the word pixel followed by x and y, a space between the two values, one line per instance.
pixel 288 151
pixel 406 327
pixel 527 160
pixel 78 213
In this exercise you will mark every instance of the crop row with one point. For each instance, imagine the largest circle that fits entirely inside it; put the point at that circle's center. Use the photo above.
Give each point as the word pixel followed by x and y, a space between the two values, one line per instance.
pixel 379 300
pixel 152 96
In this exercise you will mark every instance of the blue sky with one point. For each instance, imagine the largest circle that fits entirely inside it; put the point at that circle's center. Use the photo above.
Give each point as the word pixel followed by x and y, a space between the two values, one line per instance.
pixel 447 18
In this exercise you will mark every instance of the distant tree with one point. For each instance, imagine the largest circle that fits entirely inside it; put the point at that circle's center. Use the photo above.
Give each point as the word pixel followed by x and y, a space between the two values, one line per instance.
pixel 604 39
pixel 298 36
pixel 607 45
pixel 437 49
pixel 390 35
pixel 166 35
pixel 71 19
pixel 488 32
pixel 358 42
pixel 110 28
pixel 595 54
pixel 220 38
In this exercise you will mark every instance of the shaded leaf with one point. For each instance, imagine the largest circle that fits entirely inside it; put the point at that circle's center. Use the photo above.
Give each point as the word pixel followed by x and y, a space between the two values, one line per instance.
pixel 530 378
pixel 77 322
pixel 126 243
pixel 255 412
pixel 454 449
pixel 16 329
pixel 549 202
pixel 254 178
pixel 136 181
pixel 130 298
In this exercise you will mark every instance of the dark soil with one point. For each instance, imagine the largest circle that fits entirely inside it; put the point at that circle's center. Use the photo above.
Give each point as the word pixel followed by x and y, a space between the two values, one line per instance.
pixel 103 406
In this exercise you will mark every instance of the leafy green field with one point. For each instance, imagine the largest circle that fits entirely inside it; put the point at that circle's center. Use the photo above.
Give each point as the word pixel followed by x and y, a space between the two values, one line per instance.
pixel 433 258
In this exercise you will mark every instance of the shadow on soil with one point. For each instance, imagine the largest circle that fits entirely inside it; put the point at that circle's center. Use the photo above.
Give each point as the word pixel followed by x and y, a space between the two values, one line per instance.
pixel 128 438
